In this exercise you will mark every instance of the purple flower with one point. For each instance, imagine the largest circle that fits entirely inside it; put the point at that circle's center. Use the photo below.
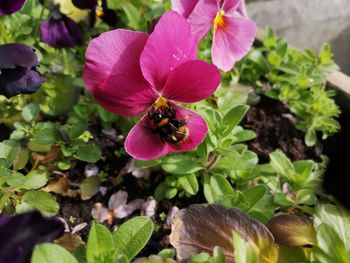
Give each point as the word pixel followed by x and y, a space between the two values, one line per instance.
pixel 10 6
pixel 97 8
pixel 18 70
pixel 60 31
pixel 19 234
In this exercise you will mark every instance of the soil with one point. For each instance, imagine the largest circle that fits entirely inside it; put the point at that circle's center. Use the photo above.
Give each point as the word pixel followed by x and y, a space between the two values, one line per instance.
pixel 274 125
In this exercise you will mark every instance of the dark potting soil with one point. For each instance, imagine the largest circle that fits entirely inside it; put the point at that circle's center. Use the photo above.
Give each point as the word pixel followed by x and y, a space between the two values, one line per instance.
pixel 274 125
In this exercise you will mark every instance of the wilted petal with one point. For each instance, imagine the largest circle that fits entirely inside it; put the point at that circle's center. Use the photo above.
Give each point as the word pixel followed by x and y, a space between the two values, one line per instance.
pixel 135 171
pixel 17 55
pixel 199 229
pixel 170 45
pixel 126 210
pixel 69 241
pixel 293 231
pixel 197 130
pixel 60 31
pixel 100 213
pixel 202 16
pixel 143 144
pixel 19 234
pixel 149 207
pixel 112 72
pixel 192 81
pixel 19 81
pixel 10 6
pixel 117 199
pixel 183 7
pixel 79 227
pixel 233 41
pixel 170 216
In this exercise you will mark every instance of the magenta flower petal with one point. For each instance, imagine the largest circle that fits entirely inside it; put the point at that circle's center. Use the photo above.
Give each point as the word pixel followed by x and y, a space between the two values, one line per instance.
pixel 143 144
pixel 183 7
pixel 113 75
pixel 191 82
pixel 197 129
pixel 170 45
pixel 233 41
pixel 202 16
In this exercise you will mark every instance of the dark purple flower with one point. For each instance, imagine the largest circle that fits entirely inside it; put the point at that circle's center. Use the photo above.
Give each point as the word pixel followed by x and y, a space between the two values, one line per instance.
pixel 10 6
pixel 60 31
pixel 18 70
pixel 98 8
pixel 19 234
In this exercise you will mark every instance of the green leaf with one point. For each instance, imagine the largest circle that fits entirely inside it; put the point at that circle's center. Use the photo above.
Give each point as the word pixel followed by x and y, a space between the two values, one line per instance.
pixel 220 186
pixel 15 179
pixel 160 191
pixel 170 193
pixel 330 246
pixel 89 187
pixel 51 253
pixel 282 199
pixel 89 153
pixel 99 246
pixel 22 159
pixel 337 218
pixel 133 15
pixel 189 183
pixel 208 193
pixel 232 118
pixel 218 255
pixel 40 200
pixel 255 194
pixel 9 150
pixel 35 179
pixel 181 164
pixel 310 138
pixel 47 134
pixel 280 163
pixel 244 250
pixel 147 164
pixel 30 111
pixel 133 235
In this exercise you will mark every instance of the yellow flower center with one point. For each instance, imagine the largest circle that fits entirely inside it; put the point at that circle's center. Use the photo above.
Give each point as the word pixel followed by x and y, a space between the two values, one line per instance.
pixel 219 20
pixel 161 103
pixel 99 10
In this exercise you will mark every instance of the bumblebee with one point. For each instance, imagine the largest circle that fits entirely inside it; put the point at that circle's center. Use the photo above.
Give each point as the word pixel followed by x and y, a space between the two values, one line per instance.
pixel 163 117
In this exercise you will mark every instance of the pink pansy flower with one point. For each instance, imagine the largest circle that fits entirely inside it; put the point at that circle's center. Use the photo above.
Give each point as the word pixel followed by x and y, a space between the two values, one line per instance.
pixel 131 73
pixel 233 32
